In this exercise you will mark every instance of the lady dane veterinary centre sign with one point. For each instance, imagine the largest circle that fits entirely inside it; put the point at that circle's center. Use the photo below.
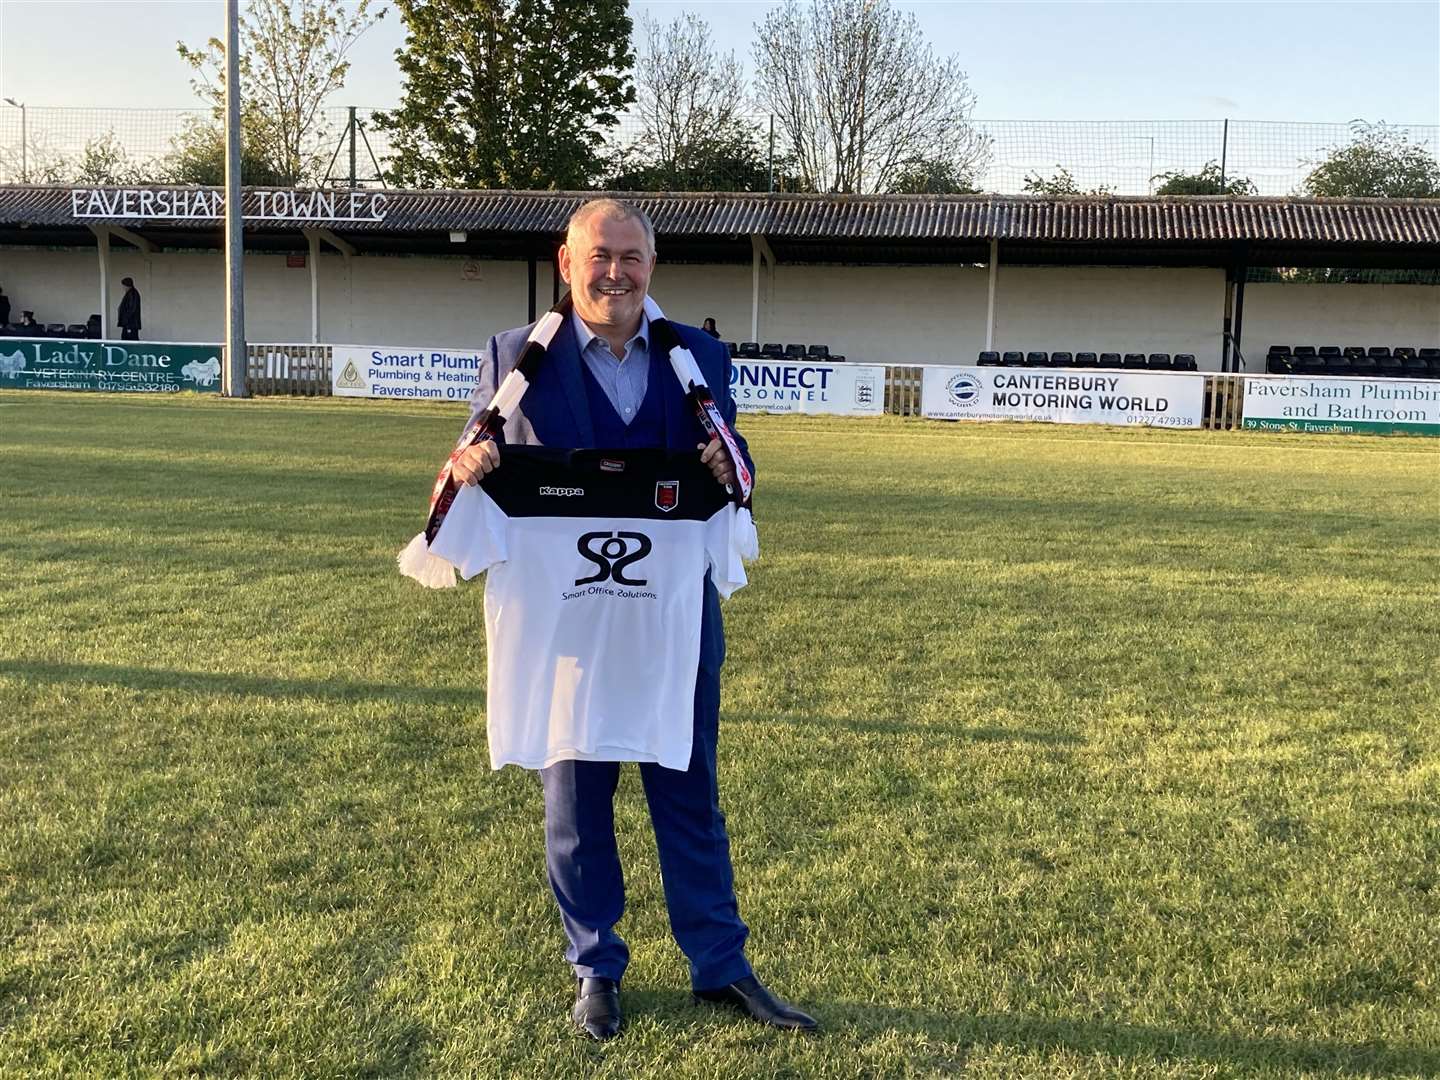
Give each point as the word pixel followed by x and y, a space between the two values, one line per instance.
pixel 134 366
pixel 150 204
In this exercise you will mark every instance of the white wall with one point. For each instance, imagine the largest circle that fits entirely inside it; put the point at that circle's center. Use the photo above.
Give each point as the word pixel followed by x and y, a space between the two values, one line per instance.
pixel 878 314
pixel 1281 314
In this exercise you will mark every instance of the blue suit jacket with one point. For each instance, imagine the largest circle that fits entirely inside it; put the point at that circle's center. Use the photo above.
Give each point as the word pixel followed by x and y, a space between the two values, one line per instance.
pixel 555 411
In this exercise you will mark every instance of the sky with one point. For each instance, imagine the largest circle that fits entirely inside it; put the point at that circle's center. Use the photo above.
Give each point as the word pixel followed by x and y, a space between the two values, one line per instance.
pixel 1148 60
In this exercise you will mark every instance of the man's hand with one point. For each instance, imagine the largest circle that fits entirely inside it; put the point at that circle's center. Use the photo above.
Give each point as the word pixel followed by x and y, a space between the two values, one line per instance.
pixel 719 461
pixel 478 460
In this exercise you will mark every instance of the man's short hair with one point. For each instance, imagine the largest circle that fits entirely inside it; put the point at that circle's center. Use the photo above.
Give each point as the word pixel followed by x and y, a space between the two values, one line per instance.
pixel 127 281
pixel 615 209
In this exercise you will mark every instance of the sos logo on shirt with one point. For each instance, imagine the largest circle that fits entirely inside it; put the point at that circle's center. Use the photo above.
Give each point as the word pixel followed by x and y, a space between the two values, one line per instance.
pixel 613 556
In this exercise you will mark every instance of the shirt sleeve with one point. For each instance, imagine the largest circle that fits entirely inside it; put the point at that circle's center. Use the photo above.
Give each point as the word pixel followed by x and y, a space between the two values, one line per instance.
pixel 472 537
pixel 723 550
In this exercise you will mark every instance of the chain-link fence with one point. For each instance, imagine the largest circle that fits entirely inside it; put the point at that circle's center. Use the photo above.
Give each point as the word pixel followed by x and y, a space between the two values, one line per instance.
pixel 68 145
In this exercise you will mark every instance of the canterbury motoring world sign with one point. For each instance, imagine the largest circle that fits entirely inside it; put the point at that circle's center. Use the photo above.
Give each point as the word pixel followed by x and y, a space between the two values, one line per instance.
pixel 207 204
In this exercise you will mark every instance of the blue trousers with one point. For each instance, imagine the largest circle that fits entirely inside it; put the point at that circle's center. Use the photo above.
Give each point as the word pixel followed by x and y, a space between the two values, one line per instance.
pixel 584 862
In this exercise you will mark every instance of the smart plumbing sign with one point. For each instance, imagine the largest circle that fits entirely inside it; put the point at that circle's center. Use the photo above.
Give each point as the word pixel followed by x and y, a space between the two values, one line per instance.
pixel 1062 397
pixel 1342 406
pixel 131 366
pixel 784 387
pixel 392 372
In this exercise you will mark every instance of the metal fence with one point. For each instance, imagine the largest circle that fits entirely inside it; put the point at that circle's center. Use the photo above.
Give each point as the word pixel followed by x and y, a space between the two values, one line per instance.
pixel 304 371
pixel 66 145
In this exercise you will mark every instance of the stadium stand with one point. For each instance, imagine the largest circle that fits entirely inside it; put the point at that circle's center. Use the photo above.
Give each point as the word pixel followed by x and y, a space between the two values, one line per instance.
pixel 1357 361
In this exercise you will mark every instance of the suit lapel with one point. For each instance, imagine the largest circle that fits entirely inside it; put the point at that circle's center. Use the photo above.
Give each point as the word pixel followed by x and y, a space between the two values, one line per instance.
pixel 564 361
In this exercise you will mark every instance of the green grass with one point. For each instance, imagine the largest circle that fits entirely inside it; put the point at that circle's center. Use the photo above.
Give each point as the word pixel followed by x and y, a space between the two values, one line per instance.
pixel 1046 752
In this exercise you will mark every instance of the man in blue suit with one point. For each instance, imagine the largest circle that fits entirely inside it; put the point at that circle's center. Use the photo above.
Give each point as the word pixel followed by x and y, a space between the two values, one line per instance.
pixel 602 386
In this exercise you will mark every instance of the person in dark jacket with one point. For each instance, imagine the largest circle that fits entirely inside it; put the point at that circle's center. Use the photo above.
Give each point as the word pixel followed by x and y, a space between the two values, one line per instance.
pixel 709 327
pixel 27 320
pixel 4 308
pixel 129 318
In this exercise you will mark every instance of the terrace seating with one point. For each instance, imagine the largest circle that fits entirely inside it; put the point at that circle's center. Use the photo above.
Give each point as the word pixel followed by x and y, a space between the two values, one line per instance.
pixel 989 358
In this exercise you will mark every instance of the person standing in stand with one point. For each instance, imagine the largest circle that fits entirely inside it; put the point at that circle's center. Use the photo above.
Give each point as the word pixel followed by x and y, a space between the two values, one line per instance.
pixel 129 316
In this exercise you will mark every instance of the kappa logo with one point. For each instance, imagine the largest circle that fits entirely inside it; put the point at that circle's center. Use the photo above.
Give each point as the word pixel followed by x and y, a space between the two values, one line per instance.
pixel 564 492
pixel 963 389
pixel 667 495
pixel 350 378
pixel 614 556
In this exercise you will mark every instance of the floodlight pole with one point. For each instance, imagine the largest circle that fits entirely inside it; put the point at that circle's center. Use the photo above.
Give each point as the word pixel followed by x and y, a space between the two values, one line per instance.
pixel 234 237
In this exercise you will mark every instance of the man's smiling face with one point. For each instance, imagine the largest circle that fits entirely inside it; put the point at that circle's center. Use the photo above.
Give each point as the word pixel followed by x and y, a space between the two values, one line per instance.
pixel 607 265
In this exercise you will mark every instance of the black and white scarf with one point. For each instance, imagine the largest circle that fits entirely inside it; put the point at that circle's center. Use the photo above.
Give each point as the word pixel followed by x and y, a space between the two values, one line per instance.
pixel 418 562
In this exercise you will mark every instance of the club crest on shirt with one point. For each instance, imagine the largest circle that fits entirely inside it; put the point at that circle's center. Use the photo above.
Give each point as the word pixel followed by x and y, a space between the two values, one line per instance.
pixel 667 495
pixel 611 465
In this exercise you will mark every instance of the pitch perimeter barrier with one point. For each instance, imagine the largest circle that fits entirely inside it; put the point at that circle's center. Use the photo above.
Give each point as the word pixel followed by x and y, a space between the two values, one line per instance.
pixel 1208 400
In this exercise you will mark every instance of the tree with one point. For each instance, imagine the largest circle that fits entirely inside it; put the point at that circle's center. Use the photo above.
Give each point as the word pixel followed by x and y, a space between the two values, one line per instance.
pixel 197 156
pixel 930 177
pixel 1062 183
pixel 1206 182
pixel 1380 162
pixel 293 57
pixel 508 93
pixel 688 99
pixel 104 161
pixel 861 97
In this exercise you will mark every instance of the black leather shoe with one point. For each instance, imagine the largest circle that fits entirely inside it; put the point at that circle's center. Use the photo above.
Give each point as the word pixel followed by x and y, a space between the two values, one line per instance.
pixel 751 997
pixel 597 1008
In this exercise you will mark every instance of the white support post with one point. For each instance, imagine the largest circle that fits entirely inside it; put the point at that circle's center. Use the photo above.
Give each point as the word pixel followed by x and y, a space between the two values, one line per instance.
pixel 102 246
pixel 314 261
pixel 990 304
pixel 754 290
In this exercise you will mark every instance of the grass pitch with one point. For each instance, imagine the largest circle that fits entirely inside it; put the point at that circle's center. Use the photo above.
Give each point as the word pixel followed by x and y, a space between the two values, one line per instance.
pixel 1046 752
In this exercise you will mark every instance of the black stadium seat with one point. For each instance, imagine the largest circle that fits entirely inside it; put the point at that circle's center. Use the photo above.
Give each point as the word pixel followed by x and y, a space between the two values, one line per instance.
pixel 1432 361
pixel 1037 359
pixel 838 358
pixel 1184 361
pixel 820 352
pixel 75 330
pixel 1062 359
pixel 749 349
pixel 731 348
pixel 1336 363
pixel 989 358
pixel 1086 359
pixel 1110 359
pixel 1134 360
pixel 55 329
pixel 1012 359
pixel 1309 363
pixel 795 352
pixel 1414 366
pixel 1363 364
pixel 773 350
pixel 1305 350
pixel 1388 364
pixel 1158 361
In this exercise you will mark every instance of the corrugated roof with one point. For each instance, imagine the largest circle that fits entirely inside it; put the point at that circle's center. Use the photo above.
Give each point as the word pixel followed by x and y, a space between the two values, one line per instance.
pixel 1115 219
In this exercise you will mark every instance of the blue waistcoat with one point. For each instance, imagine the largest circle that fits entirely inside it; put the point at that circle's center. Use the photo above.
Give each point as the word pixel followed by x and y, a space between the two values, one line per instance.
pixel 648 427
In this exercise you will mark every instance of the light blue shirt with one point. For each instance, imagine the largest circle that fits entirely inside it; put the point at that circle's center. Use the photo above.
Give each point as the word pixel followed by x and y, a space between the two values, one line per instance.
pixel 624 379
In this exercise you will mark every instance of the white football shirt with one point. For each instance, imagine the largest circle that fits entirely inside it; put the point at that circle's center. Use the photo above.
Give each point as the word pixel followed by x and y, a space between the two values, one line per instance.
pixel 595 563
